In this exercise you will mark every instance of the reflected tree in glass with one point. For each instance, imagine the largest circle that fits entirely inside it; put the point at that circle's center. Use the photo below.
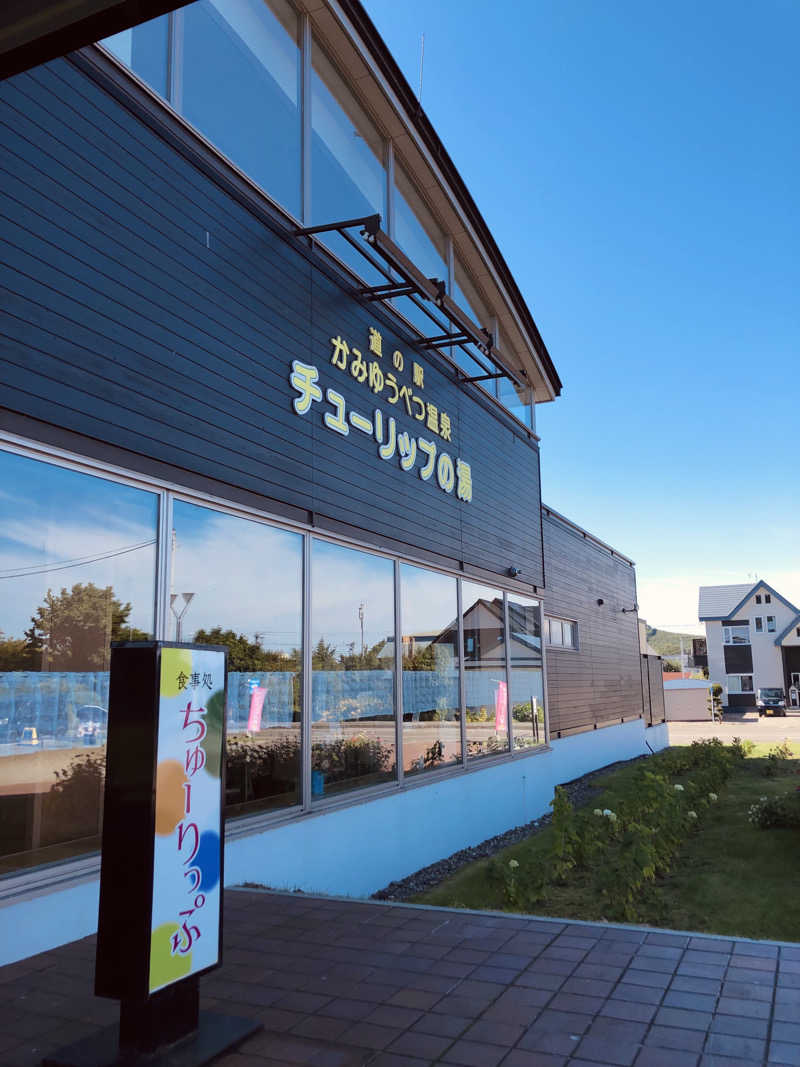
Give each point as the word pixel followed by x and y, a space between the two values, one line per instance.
pixel 77 571
pixel 353 727
pixel 244 581
pixel 486 688
pixel 431 702
pixel 527 689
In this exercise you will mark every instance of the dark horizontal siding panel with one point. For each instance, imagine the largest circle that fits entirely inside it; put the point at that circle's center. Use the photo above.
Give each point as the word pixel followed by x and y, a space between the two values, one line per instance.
pixel 197 271
pixel 85 372
pixel 601 682
pixel 116 125
pixel 143 369
pixel 116 283
pixel 82 167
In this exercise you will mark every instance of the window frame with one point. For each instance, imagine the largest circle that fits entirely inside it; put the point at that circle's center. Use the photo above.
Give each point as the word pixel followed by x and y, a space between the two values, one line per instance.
pixel 771 624
pixel 562 647
pixel 728 635
pixel 758 621
pixel 741 691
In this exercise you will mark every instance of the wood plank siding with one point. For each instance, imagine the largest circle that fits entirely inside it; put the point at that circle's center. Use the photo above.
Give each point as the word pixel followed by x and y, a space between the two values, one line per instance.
pixel 149 305
pixel 600 682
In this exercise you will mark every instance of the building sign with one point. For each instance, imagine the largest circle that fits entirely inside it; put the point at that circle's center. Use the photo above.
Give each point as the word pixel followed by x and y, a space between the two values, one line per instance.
pixel 423 452
pixel 186 892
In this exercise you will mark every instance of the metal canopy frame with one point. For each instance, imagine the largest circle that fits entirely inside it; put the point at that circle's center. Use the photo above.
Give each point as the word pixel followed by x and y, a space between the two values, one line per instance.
pixel 404 278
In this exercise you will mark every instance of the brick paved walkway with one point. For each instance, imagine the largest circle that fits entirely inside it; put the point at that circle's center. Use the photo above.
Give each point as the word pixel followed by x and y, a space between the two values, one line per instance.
pixel 348 983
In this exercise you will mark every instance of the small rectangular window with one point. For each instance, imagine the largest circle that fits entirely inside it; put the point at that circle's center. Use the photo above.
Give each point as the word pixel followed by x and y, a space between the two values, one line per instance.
pixel 736 635
pixel 561 633
pixel 767 598
pixel 770 624
pixel 797 631
pixel 758 598
pixel 740 683
pixel 759 624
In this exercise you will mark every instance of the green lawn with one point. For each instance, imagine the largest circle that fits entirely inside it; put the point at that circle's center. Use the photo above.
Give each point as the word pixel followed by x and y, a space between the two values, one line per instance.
pixel 729 877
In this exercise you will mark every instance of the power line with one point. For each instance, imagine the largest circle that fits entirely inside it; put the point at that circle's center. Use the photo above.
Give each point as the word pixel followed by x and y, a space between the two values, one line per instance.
pixel 82 561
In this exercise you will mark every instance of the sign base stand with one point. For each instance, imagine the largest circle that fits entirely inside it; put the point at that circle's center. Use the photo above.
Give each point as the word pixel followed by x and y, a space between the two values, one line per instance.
pixel 214 1035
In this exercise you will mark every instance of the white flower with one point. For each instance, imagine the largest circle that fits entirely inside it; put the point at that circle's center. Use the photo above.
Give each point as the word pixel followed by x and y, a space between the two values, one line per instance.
pixel 612 817
pixel 607 811
pixel 598 811
pixel 712 797
pixel 691 814
pixel 513 864
pixel 762 798
pixel 678 787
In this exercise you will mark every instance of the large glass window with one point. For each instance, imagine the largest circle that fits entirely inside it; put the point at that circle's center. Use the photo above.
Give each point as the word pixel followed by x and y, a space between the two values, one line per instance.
pixel 527 688
pixel 485 683
pixel 77 571
pixel 516 399
pixel 239 583
pixel 240 86
pixel 422 240
pixel 353 732
pixel 468 299
pixel 145 50
pixel 431 700
pixel 348 178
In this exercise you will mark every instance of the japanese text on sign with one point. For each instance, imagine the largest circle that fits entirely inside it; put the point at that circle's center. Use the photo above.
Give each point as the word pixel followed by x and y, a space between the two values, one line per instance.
pixel 449 474
pixel 385 383
pixel 187 849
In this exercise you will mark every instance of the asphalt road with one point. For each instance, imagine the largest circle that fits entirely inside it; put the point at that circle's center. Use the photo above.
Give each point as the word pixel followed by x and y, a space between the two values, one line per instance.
pixel 749 727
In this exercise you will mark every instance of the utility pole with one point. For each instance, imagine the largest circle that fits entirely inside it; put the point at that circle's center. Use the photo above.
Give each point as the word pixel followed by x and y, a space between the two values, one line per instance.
pixel 361 620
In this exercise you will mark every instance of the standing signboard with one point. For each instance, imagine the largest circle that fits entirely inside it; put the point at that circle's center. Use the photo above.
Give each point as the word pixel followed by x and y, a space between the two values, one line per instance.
pixel 160 921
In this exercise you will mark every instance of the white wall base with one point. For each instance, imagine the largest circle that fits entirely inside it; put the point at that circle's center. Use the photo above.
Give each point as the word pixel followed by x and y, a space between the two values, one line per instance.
pixel 357 850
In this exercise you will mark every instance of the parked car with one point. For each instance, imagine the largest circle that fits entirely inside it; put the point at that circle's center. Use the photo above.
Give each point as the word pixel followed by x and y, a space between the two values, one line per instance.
pixel 771 701
pixel 29 736
pixel 92 724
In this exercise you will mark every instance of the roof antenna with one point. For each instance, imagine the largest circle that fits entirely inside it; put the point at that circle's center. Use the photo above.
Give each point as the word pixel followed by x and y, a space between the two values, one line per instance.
pixel 421 64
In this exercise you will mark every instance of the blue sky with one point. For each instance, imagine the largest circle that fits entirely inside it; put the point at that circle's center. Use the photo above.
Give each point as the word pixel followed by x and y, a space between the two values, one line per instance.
pixel 638 165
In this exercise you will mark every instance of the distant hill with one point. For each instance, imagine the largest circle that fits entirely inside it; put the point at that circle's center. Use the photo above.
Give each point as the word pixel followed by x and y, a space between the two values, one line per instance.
pixel 667 643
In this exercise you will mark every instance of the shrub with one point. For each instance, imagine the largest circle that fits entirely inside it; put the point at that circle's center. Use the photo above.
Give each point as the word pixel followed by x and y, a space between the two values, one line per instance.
pixel 623 847
pixel 778 761
pixel 742 749
pixel 780 811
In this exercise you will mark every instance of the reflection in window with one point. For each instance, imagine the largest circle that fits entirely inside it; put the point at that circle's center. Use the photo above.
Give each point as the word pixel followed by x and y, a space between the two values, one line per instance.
pixel 466 296
pixel 77 571
pixel 422 240
pixel 516 399
pixel 353 738
pixel 144 49
pixel 485 682
pixel 527 691
pixel 239 583
pixel 431 702
pixel 348 179
pixel 241 88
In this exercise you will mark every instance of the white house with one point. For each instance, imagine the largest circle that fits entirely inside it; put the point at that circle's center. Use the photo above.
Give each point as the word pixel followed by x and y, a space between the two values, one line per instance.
pixel 753 638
